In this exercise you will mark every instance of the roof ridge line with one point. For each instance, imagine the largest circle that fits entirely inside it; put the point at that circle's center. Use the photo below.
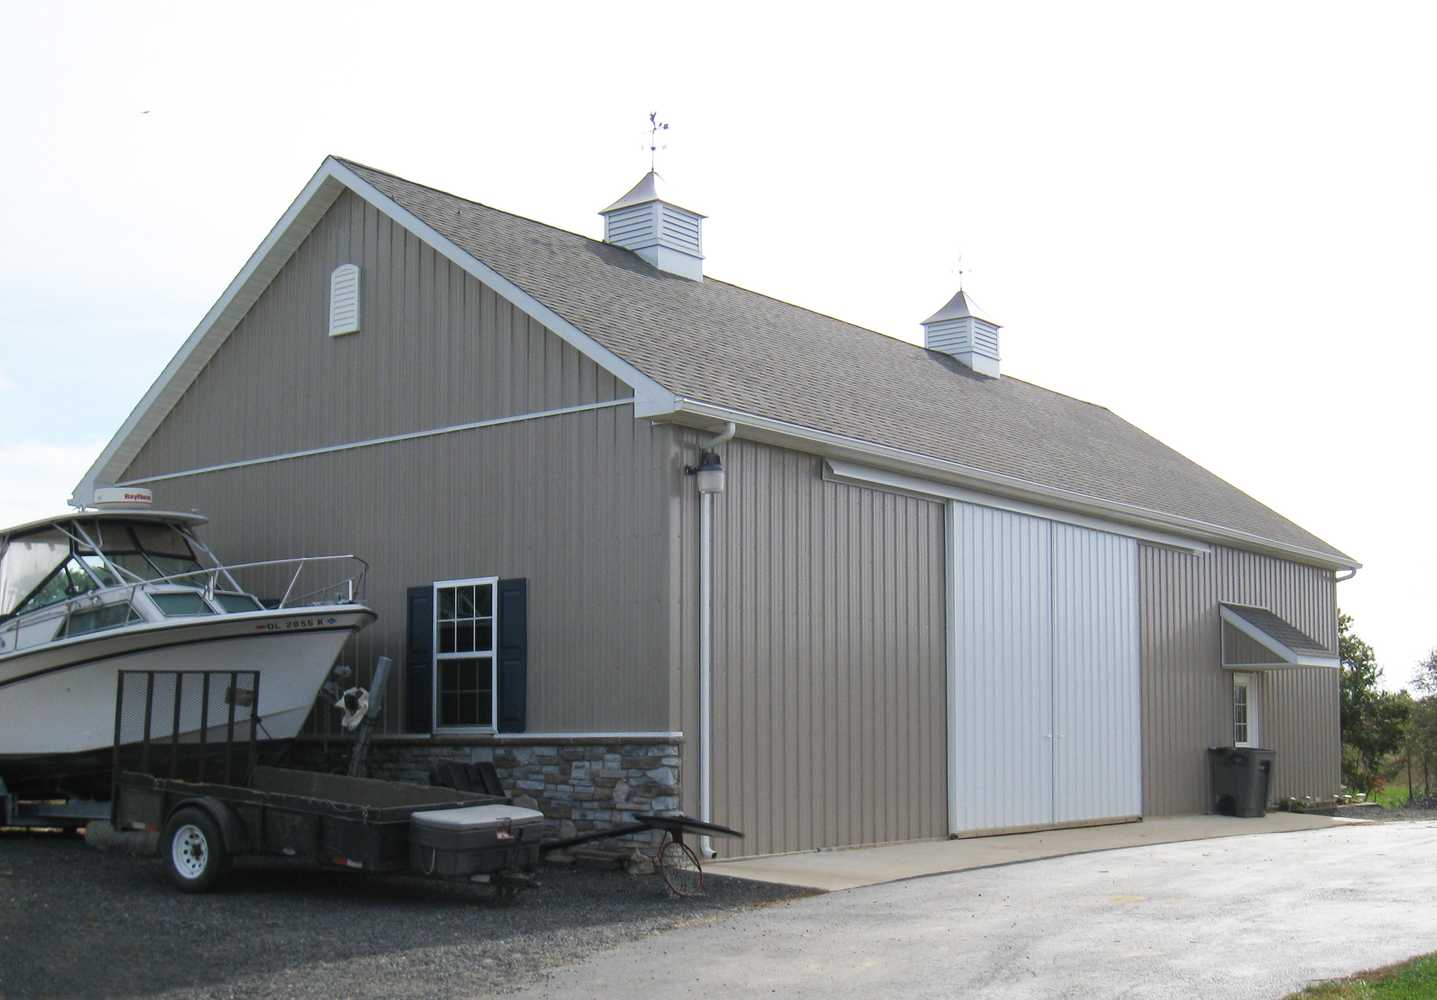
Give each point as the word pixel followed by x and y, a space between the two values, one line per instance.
pixel 720 281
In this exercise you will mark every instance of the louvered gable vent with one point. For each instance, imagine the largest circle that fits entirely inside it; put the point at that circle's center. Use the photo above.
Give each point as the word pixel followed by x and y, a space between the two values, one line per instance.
pixel 344 300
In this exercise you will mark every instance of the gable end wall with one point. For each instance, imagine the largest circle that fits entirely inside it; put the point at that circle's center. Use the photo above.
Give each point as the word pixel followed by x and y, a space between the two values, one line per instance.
pixel 436 348
pixel 574 503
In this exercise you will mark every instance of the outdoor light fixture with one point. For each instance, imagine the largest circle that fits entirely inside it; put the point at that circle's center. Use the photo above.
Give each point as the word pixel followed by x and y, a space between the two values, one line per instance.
pixel 710 473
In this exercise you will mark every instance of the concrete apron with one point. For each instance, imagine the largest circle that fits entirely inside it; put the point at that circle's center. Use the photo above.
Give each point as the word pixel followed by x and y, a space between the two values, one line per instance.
pixel 850 868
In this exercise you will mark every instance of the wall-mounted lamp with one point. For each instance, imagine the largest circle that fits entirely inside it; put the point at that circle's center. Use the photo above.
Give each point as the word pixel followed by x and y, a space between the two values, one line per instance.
pixel 709 471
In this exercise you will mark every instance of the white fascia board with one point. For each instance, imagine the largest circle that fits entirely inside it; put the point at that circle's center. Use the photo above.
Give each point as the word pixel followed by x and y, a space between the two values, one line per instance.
pixel 782 432
pixel 1288 656
pixel 304 213
pixel 837 470
pixel 649 397
pixel 288 233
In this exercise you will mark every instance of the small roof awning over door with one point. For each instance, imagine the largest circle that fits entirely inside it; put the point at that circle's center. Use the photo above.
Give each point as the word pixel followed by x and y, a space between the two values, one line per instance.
pixel 1256 639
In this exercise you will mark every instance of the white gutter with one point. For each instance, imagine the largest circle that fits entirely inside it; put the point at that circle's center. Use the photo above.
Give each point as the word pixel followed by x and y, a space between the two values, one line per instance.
pixel 706 618
pixel 835 470
pixel 779 431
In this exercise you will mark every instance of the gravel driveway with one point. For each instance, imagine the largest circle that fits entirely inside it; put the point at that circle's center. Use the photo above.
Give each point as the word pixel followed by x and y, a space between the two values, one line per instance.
pixel 76 922
pixel 1244 917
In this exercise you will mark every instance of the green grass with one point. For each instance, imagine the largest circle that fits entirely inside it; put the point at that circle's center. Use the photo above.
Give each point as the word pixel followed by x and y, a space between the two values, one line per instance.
pixel 1414 980
pixel 1393 796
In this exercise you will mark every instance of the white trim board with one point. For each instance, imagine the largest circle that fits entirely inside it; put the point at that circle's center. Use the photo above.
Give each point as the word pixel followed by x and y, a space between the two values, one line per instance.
pixel 1288 656
pixel 650 397
pixel 390 439
pixel 784 433
pixel 838 471
pixel 303 214
pixel 233 304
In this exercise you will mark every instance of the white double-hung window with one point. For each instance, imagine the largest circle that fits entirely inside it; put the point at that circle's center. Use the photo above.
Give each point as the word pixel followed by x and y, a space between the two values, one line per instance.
pixel 466 625
pixel 1244 713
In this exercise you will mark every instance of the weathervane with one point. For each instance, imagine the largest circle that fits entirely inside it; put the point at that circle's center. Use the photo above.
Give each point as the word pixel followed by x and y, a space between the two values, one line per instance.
pixel 961 271
pixel 655 127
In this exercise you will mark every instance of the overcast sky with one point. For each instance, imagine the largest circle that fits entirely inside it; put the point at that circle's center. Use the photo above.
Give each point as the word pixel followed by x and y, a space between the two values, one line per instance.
pixel 1216 220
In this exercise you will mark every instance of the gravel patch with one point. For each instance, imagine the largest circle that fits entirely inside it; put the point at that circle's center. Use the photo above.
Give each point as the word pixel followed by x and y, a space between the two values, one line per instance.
pixel 76 922
pixel 1399 815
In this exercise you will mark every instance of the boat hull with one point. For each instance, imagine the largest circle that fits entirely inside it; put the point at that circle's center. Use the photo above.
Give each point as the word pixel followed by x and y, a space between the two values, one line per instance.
pixel 57 704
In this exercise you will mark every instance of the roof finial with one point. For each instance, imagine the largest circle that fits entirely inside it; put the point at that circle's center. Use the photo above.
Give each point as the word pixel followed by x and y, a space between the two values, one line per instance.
pixel 655 127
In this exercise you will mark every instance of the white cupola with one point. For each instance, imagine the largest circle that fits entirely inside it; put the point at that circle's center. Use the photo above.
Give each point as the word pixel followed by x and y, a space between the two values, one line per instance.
pixel 665 235
pixel 957 330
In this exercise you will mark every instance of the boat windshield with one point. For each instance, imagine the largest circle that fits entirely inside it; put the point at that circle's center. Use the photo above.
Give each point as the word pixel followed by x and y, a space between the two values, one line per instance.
pixel 27 561
pixel 147 549
pixel 51 565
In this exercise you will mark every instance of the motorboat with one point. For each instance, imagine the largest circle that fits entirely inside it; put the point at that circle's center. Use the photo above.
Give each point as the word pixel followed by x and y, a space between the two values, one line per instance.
pixel 89 594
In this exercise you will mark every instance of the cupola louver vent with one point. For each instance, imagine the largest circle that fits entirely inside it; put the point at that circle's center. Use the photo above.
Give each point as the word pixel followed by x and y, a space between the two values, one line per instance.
pixel 344 300
pixel 664 234
pixel 958 330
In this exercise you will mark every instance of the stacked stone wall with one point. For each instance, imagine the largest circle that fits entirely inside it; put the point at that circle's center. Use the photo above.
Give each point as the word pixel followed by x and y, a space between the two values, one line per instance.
pixel 580 786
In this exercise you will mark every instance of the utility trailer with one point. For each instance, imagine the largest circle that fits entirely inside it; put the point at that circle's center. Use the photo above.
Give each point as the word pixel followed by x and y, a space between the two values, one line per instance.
pixel 331 820
pixel 49 813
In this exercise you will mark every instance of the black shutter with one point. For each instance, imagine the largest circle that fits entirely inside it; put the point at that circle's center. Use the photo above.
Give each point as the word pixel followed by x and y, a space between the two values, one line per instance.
pixel 513 655
pixel 419 661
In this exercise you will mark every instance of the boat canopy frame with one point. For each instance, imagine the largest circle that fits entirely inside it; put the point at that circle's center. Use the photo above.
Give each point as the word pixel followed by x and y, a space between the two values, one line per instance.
pixel 218 578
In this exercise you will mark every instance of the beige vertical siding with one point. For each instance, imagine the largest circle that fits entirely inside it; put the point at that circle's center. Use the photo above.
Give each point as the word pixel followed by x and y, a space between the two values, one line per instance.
pixel 435 348
pixel 1187 697
pixel 566 502
pixel 829 660
pixel 574 503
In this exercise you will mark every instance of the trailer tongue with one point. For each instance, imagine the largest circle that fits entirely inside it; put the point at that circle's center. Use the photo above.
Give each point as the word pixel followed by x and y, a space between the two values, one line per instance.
pixel 204 788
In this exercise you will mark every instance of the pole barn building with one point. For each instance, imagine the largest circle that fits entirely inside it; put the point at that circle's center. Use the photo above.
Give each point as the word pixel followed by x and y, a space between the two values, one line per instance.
pixel 651 541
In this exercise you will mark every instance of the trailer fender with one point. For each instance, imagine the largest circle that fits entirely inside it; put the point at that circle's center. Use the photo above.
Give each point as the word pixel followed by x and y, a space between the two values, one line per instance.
pixel 236 841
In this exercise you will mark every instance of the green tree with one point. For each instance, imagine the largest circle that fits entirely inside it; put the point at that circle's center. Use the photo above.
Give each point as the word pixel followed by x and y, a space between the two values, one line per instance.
pixel 1420 747
pixel 1374 722
pixel 1426 678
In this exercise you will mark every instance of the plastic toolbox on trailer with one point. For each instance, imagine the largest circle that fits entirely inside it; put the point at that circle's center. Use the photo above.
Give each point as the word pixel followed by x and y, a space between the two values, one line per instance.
pixel 474 840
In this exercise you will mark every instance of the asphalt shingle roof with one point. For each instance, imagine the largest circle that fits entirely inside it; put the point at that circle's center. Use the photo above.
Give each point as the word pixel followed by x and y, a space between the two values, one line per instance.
pixel 717 343
pixel 1283 631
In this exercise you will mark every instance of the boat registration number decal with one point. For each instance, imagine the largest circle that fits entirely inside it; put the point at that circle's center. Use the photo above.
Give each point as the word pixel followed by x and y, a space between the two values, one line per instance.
pixel 293 623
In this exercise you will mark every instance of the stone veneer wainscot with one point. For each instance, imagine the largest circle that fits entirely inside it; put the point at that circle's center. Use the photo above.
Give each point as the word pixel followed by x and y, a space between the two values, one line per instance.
pixel 580 785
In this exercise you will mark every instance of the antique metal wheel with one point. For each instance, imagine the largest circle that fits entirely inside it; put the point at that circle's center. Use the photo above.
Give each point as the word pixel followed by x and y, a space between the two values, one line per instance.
pixel 679 865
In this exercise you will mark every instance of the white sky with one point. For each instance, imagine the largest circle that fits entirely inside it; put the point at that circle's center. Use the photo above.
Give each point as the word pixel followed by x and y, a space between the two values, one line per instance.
pixel 1217 221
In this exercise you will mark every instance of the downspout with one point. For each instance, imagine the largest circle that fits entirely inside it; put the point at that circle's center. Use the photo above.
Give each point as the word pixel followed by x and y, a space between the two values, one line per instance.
pixel 708 463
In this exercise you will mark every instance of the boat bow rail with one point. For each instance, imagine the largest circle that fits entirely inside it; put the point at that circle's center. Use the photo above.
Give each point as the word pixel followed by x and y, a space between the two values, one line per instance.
pixel 222 589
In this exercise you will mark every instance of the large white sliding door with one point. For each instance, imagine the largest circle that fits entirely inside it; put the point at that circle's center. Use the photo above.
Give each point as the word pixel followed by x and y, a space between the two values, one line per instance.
pixel 1097 734
pixel 1044 696
pixel 1002 713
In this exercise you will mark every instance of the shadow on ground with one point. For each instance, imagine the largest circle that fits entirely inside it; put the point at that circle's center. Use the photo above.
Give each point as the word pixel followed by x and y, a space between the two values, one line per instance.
pixel 76 922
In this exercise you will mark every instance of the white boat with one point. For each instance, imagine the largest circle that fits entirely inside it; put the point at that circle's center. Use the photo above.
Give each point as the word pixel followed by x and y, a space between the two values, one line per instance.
pixel 91 593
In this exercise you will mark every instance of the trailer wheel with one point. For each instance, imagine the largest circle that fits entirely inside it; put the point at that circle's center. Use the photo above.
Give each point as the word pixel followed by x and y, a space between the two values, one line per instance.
pixel 194 851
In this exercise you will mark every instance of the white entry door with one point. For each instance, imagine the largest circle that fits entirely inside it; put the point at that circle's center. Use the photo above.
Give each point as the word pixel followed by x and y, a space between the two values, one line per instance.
pixel 1043 705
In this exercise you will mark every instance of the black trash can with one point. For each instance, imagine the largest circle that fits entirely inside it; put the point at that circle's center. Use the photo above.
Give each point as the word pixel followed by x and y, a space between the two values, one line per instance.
pixel 1241 777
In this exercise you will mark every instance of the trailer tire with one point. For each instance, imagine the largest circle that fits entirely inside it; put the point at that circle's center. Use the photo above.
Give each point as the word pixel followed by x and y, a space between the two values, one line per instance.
pixel 194 850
